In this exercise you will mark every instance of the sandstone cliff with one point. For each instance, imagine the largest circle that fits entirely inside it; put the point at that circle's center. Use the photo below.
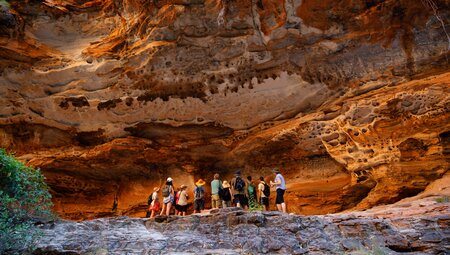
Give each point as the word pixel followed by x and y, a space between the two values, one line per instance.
pixel 108 98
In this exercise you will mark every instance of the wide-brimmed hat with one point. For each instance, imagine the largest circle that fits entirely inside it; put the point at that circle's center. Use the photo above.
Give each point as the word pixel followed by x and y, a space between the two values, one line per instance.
pixel 225 184
pixel 169 179
pixel 200 182
pixel 183 186
pixel 156 189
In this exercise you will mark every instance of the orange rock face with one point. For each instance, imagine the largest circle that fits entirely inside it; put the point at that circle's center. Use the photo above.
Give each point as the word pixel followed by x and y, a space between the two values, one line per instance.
pixel 109 98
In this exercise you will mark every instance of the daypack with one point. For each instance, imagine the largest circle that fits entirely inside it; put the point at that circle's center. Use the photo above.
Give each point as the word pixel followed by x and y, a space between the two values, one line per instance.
pixel 225 194
pixel 251 189
pixel 239 184
pixel 150 199
pixel 166 191
pixel 199 193
pixel 266 190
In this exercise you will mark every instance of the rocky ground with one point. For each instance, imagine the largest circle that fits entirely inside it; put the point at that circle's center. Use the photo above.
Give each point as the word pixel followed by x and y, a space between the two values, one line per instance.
pixel 417 227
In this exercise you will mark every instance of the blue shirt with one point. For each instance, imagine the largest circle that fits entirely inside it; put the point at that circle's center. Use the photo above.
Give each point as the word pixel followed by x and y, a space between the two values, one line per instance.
pixel 281 179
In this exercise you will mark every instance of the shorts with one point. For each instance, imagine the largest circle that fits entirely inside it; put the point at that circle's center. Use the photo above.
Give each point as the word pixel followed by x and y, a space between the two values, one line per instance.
pixel 199 204
pixel 182 208
pixel 168 199
pixel 280 196
pixel 154 207
pixel 264 201
pixel 177 207
pixel 241 199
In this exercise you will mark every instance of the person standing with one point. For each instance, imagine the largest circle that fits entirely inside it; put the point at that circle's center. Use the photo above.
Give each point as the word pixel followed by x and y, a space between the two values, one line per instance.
pixel 168 197
pixel 176 198
pixel 199 196
pixel 264 193
pixel 226 195
pixel 251 191
pixel 280 188
pixel 154 204
pixel 238 190
pixel 216 186
pixel 182 201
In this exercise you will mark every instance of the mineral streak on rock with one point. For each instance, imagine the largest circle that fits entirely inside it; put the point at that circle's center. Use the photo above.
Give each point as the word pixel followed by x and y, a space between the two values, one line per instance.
pixel 109 98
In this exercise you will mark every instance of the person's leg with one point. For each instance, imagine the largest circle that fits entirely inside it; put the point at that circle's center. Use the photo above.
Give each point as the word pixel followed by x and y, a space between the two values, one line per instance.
pixel 236 200
pixel 279 207
pixel 283 204
pixel 169 205
pixel 202 205
pixel 195 206
pixel 279 199
pixel 163 210
pixel 217 201
pixel 152 214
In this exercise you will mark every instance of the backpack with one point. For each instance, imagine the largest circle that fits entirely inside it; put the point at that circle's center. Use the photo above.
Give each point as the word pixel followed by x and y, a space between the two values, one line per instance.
pixel 150 199
pixel 239 184
pixel 166 191
pixel 266 190
pixel 199 193
pixel 224 194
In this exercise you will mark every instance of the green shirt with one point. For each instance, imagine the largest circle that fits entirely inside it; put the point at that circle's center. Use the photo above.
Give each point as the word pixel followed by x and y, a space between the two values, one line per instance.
pixel 215 186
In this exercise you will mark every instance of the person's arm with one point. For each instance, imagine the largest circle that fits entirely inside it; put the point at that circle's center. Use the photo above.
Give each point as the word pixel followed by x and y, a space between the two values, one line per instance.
pixel 260 190
pixel 232 187
pixel 277 182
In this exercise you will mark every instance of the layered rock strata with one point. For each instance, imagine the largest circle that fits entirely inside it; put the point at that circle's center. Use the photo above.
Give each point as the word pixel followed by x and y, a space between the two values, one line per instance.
pixel 109 98
pixel 420 227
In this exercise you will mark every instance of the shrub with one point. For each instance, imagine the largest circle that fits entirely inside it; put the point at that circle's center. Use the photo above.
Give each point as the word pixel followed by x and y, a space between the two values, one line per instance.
pixel 4 3
pixel 444 199
pixel 24 200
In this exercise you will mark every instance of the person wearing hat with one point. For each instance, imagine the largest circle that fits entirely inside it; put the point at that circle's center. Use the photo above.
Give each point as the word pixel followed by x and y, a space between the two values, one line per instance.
pixel 280 188
pixel 226 195
pixel 238 188
pixel 168 197
pixel 216 186
pixel 154 205
pixel 199 196
pixel 182 201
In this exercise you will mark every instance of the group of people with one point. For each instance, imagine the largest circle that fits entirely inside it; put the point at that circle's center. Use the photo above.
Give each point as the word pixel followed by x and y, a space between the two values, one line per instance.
pixel 239 192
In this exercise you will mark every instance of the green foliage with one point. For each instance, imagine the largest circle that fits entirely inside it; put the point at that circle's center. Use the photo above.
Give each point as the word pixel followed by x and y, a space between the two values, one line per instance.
pixel 24 199
pixel 4 3
pixel 444 199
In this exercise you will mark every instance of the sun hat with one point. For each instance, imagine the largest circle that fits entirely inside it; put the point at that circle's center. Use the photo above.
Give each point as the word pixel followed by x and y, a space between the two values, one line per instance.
pixel 200 182
pixel 225 184
pixel 156 189
pixel 238 172
pixel 169 179
pixel 183 186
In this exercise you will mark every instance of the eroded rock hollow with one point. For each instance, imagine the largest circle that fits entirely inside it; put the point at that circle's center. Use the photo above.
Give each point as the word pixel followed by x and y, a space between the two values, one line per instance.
pixel 109 97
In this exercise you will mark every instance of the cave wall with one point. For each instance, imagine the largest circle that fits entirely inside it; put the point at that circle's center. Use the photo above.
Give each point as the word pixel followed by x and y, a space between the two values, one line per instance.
pixel 109 97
